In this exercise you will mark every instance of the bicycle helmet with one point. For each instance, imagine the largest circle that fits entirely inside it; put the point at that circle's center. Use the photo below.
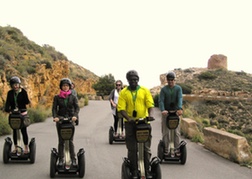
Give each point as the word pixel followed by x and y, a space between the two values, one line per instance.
pixel 65 81
pixel 14 80
pixel 170 75
pixel 131 73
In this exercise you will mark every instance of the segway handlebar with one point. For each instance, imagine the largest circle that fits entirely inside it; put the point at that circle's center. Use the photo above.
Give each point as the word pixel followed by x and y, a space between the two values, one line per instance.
pixel 64 119
pixel 145 120
pixel 17 111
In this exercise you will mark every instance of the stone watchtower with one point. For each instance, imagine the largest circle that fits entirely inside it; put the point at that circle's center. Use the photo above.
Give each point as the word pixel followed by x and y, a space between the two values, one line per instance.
pixel 217 61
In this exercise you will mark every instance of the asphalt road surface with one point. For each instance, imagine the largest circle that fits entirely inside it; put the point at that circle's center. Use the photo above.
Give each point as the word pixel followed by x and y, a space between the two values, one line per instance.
pixel 103 160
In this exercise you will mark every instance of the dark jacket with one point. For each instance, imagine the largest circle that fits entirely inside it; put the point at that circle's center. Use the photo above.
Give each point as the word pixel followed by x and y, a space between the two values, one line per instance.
pixel 22 100
pixel 69 108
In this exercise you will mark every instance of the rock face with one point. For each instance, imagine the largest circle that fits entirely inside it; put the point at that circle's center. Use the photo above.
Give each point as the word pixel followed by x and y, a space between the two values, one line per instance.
pixel 44 84
pixel 217 61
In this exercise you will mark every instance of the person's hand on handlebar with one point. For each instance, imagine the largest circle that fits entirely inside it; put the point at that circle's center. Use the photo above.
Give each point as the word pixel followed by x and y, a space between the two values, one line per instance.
pixel 150 118
pixel 131 120
pixel 179 112
pixel 56 119
pixel 74 118
pixel 164 112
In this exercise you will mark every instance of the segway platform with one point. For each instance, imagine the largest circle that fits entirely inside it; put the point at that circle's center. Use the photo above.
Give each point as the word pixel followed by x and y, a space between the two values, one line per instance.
pixel 176 157
pixel 113 138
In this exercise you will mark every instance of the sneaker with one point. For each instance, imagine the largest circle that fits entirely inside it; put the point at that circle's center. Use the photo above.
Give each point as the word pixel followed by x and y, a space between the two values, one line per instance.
pixel 123 135
pixel 135 174
pixel 61 161
pixel 115 134
pixel 166 153
pixel 74 163
pixel 177 153
pixel 26 150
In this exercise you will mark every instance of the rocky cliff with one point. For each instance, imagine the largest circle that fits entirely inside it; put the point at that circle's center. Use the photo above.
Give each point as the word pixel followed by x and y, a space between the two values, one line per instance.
pixel 39 68
pixel 44 84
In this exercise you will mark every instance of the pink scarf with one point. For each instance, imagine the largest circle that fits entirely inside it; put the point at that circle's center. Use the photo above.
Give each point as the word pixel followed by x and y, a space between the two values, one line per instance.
pixel 64 94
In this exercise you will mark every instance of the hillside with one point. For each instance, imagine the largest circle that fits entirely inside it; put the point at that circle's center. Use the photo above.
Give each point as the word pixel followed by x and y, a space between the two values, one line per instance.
pixel 39 67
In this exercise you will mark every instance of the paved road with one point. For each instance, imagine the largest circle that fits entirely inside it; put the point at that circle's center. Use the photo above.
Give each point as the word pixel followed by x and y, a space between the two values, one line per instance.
pixel 103 161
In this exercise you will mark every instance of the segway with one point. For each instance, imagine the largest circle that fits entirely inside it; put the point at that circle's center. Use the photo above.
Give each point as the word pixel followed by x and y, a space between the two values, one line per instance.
pixel 120 137
pixel 143 130
pixel 16 122
pixel 172 122
pixel 66 133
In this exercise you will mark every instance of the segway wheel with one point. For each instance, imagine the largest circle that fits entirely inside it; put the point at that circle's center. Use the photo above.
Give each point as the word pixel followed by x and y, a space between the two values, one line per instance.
pixel 160 150
pixel 32 147
pixel 82 164
pixel 125 171
pixel 6 152
pixel 183 155
pixel 156 171
pixel 111 135
pixel 53 165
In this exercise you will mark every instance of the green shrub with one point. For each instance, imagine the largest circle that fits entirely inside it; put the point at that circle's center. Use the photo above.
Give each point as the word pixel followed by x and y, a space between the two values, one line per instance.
pixel 86 100
pixel 208 75
pixel 187 89
pixel 156 98
pixel 4 125
pixel 38 114
pixel 206 122
pixel 198 138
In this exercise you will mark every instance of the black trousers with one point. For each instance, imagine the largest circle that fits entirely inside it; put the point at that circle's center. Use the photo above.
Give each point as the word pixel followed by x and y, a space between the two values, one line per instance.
pixel 131 144
pixel 116 120
pixel 24 136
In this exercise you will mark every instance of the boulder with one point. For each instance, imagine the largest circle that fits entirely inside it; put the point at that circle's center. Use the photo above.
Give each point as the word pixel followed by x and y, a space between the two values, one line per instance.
pixel 217 61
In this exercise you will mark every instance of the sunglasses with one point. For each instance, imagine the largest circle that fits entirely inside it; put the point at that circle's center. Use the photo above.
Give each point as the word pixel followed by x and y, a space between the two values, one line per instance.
pixel 170 80
pixel 118 84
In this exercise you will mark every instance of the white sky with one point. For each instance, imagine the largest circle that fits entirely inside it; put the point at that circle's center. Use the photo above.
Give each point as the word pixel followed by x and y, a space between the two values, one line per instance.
pixel 151 37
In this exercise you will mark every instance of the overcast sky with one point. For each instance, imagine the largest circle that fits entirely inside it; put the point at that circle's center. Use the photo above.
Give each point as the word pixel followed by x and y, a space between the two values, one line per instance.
pixel 152 37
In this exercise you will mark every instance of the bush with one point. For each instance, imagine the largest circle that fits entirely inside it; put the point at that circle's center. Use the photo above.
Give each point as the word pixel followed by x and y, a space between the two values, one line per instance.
pixel 187 89
pixel 156 98
pixel 38 114
pixel 4 125
pixel 198 138
pixel 207 76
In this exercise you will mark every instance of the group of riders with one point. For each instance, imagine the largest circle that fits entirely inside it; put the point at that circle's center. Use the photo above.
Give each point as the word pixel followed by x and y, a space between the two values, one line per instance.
pixel 130 103
pixel 134 102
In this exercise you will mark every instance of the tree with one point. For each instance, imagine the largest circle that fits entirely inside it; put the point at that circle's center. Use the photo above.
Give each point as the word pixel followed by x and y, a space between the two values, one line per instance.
pixel 104 85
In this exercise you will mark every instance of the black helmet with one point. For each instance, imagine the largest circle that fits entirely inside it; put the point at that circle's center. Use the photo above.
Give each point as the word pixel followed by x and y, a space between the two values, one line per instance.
pixel 170 75
pixel 14 80
pixel 65 81
pixel 132 73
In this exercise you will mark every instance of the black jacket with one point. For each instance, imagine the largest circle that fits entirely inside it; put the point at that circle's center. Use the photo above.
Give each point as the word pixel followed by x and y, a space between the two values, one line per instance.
pixel 22 100
pixel 70 109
